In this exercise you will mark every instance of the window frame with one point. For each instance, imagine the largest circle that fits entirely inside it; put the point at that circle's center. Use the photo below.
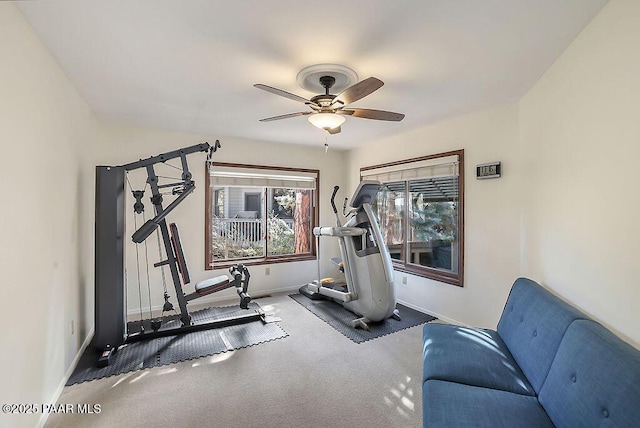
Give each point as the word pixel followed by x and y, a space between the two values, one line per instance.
pixel 452 278
pixel 211 264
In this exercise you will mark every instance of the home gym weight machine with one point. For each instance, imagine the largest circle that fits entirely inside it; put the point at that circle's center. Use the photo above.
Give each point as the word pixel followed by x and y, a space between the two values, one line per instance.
pixel 366 263
pixel 110 283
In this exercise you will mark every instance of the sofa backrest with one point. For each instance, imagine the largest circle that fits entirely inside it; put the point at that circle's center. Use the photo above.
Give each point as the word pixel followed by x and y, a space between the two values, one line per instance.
pixel 594 380
pixel 532 325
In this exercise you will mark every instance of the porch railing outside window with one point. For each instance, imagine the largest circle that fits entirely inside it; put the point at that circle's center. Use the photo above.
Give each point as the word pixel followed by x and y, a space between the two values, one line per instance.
pixel 269 213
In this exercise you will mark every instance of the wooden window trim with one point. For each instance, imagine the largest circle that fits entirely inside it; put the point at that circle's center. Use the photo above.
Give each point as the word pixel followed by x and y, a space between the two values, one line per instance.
pixel 456 279
pixel 210 264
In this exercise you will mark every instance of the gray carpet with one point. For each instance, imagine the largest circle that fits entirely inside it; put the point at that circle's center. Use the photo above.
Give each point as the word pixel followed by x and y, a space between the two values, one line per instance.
pixel 315 378
pixel 172 349
pixel 340 319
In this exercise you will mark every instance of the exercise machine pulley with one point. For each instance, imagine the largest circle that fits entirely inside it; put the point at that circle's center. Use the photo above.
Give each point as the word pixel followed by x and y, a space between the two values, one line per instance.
pixel 110 277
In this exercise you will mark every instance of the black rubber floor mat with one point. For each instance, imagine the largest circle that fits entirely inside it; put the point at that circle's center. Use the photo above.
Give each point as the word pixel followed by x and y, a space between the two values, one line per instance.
pixel 340 319
pixel 173 349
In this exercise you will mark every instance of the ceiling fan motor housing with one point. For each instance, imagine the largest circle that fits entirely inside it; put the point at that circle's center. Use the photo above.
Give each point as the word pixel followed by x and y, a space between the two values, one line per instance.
pixel 324 100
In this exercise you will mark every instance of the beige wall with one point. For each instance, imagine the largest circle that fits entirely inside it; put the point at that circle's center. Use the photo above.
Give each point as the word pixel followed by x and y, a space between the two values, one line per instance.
pixel 564 212
pixel 492 213
pixel 46 133
pixel 580 131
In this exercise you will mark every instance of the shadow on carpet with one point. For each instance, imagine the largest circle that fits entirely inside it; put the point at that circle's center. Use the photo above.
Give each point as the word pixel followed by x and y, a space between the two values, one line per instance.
pixel 340 319
pixel 173 349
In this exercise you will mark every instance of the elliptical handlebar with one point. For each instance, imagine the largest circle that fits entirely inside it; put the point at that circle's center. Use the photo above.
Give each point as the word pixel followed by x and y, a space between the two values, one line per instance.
pixel 333 205
pixel 333 199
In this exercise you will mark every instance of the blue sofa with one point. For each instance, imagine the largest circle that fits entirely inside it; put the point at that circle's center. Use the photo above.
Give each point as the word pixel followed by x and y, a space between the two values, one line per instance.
pixel 547 365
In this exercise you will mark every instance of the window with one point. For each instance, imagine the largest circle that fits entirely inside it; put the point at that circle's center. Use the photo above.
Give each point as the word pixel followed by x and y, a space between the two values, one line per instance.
pixel 259 214
pixel 420 210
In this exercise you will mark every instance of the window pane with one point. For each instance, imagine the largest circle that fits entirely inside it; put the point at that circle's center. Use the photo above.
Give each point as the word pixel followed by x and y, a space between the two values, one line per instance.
pixel 238 232
pixel 258 214
pixel 389 208
pixel 289 221
pixel 218 203
pixel 433 216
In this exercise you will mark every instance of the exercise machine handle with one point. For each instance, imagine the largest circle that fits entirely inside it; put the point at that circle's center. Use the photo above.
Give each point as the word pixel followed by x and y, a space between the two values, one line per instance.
pixel 147 228
pixel 333 198
pixel 213 149
pixel 339 231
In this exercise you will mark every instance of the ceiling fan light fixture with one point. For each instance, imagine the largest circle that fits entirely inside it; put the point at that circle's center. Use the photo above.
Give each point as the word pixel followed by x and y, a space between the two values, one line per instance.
pixel 326 121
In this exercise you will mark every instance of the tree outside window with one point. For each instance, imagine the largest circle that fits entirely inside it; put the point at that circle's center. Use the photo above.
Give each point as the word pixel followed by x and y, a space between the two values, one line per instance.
pixel 267 224
pixel 420 211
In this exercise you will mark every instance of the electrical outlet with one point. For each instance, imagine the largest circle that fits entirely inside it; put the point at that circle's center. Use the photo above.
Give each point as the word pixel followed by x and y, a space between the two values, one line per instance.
pixel 72 327
pixel 404 280
pixel 267 271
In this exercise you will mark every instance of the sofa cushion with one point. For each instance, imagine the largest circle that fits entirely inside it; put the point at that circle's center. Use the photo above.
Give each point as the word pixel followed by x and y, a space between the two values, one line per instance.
pixel 532 325
pixel 471 356
pixel 453 405
pixel 594 380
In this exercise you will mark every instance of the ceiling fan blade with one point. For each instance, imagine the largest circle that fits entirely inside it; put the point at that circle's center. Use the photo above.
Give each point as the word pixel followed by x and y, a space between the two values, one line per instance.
pixel 335 130
pixel 359 90
pixel 286 116
pixel 366 113
pixel 282 93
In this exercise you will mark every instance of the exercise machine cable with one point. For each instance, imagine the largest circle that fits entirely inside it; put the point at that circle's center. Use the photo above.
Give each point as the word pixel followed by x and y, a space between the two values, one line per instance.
pixel 110 315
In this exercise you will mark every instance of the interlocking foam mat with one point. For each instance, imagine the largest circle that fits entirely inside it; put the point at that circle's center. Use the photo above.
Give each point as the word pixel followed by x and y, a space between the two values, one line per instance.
pixel 173 349
pixel 340 319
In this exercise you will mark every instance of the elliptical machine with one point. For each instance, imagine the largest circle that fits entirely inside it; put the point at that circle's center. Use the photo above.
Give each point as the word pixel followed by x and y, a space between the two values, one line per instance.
pixel 366 263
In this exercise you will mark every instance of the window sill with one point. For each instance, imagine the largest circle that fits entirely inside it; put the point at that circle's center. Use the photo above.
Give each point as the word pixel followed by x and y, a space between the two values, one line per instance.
pixel 434 274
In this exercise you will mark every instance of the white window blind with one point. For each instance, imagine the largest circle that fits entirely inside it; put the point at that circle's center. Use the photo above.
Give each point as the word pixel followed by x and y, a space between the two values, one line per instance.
pixel 447 166
pixel 261 177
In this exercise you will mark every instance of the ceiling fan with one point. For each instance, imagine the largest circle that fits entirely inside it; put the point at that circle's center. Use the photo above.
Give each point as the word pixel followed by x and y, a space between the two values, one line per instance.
pixel 328 111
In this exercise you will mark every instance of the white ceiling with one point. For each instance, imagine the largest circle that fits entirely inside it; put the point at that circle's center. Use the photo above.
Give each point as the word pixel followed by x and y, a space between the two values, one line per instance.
pixel 190 65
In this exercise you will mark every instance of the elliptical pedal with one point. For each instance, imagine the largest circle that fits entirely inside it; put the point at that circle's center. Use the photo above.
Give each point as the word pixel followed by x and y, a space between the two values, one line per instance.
pixel 305 291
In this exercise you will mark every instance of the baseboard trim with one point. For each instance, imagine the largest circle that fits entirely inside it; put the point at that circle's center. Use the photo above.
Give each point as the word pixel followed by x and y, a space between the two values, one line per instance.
pixel 212 299
pixel 432 313
pixel 67 375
